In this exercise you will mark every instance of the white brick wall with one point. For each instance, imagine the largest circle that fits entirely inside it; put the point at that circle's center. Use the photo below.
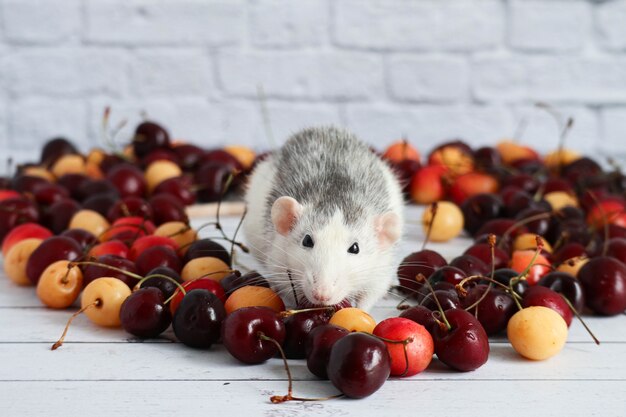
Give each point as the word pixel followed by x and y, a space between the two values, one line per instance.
pixel 427 69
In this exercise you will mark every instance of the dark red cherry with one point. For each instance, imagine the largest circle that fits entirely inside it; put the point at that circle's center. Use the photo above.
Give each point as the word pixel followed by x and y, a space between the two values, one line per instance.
pixel 420 315
pixel 15 211
pixel 242 330
pixel 101 203
pixel 501 226
pixel 57 217
pixel 565 284
pixel 206 247
pixel 494 310
pixel 156 256
pixel 188 156
pixel 199 319
pixel 167 208
pixel 83 237
pixel 471 265
pixel 447 273
pixel 210 180
pixel 505 275
pixel 26 183
pixel 54 149
pixel 538 295
pixel 480 208
pixel 48 193
pixel 144 313
pixel 423 262
pixel 72 182
pixel 233 281
pixel 358 365
pixel 161 154
pixel 318 345
pixel 448 299
pixel 541 222
pixel 130 206
pixel 179 187
pixel 221 157
pixel 55 248
pixel 465 346
pixel 604 282
pixel 148 137
pixel 297 327
pixel 487 157
pixel 128 180
pixel 167 287
pixel 92 272
pixel 96 187
pixel 482 251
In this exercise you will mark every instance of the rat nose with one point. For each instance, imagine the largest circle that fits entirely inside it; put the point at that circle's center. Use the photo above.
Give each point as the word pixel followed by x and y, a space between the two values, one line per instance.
pixel 321 296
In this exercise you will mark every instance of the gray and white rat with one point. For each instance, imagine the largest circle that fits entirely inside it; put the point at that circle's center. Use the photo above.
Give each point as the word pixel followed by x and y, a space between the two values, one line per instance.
pixel 324 216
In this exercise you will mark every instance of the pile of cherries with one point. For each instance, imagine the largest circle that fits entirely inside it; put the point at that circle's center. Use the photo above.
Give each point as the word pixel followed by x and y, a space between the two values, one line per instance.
pixel 550 242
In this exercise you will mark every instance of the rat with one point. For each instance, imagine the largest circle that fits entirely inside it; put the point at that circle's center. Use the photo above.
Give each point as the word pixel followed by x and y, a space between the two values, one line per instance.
pixel 325 214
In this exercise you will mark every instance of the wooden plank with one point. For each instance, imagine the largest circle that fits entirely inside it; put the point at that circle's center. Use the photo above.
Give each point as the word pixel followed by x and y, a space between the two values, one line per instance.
pixel 46 325
pixel 151 361
pixel 251 398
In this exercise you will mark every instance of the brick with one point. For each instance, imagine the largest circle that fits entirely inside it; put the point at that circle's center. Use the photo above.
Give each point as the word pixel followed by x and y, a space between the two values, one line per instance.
pixel 437 79
pixel 41 21
pixel 33 120
pixel 613 121
pixel 68 72
pixel 162 72
pixel 610 24
pixel 280 24
pixel 542 130
pixel 550 78
pixel 427 125
pixel 165 22
pixel 418 25
pixel 548 25
pixel 302 75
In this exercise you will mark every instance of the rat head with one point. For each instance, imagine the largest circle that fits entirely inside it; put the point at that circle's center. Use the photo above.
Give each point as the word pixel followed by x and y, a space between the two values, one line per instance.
pixel 328 258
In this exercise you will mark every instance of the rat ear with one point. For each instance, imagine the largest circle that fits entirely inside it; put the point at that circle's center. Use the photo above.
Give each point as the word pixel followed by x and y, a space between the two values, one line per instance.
pixel 388 229
pixel 285 214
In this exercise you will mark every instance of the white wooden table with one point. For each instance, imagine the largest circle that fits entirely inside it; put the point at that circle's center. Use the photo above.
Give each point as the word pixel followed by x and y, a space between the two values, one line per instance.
pixel 106 372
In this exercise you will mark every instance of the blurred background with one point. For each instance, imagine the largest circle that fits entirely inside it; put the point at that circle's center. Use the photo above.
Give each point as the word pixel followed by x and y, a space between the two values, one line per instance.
pixel 429 70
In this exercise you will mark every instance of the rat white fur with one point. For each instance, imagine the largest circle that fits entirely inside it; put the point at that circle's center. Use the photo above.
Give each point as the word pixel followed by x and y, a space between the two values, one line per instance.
pixel 326 184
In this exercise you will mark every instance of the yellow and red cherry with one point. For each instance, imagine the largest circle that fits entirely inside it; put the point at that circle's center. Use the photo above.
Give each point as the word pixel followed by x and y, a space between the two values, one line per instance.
pixel 159 171
pixel 412 348
pixel 471 184
pixel 105 297
pixel 110 247
pixel 253 296
pixel 180 232
pixel 354 320
pixel 442 223
pixel 89 220
pixel 401 151
pixel 145 242
pixel 427 184
pixel 523 259
pixel 537 332
pixel 24 231
pixel 205 266
pixel 60 284
pixel 16 259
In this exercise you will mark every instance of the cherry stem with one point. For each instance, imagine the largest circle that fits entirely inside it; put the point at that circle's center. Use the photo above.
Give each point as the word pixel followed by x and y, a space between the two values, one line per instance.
pixel 463 291
pixel 492 245
pixel 232 244
pixel 178 284
pixel 433 213
pixel 578 316
pixel 404 344
pixel 289 313
pixel 113 268
pixel 59 342
pixel 421 277
pixel 280 398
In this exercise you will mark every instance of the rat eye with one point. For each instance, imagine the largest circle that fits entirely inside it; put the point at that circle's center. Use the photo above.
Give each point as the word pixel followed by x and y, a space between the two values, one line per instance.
pixel 354 248
pixel 307 241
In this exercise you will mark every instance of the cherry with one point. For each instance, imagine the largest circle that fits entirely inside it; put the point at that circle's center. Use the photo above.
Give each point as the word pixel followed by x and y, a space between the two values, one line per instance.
pixel 15 211
pixel 318 345
pixel 538 295
pixel 130 206
pixel 156 256
pixel 199 319
pixel 96 187
pixel 464 345
pixel 72 182
pixel 146 242
pixel 148 137
pixel 420 315
pixel 580 169
pixel 541 222
pixel 159 155
pixel 202 283
pixel 471 265
pixel 84 238
pixel 423 262
pixel 568 251
pixel 524 181
pixel 99 269
pixel 505 275
pixel 221 157
pixel 128 180
pixel 480 208
pixel 144 313
pixel 188 156
pixel 101 203
pixel 404 170
pixel 604 283
pixel 567 285
pixel 448 299
pixel 179 187
pixel 55 248
pixel 358 365
pixel 234 281
pixel 243 331
pixel 47 193
pixel 206 247
pixel 482 251
pixel 54 149
pixel 210 179
pixel 167 287
pixel 297 327
pixel 494 309
pixel 24 231
pixel 500 226
pixel 487 157
pixel 57 217
pixel 167 208
pixel 449 274
pixel 616 248
pixel 111 247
